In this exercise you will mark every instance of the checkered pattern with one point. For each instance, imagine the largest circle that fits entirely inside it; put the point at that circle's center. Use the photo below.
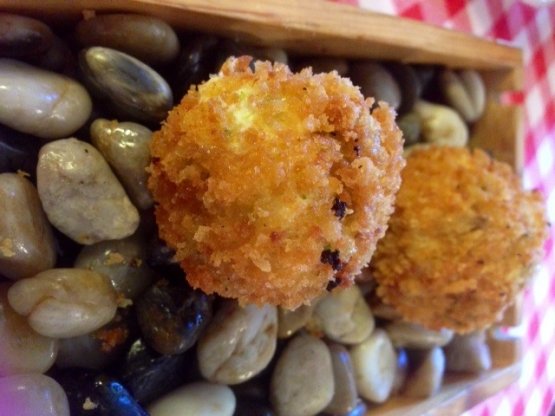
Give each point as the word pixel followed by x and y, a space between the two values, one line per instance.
pixel 533 29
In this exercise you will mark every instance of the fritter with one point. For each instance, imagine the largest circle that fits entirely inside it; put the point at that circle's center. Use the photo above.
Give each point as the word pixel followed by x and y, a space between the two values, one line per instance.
pixel 462 241
pixel 270 185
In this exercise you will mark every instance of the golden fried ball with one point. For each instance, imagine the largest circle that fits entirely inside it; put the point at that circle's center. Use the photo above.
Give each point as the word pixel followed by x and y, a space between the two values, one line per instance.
pixel 270 185
pixel 462 240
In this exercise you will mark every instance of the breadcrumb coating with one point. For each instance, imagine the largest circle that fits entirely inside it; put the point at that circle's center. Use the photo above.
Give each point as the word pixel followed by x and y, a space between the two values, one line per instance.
pixel 462 241
pixel 271 185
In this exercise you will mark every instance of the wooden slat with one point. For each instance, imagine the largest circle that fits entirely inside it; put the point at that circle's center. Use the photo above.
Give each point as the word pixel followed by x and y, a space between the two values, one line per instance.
pixel 312 27
pixel 458 394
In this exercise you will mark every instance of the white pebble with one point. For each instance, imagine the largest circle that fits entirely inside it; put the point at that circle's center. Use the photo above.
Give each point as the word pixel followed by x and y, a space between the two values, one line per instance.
pixel 81 195
pixel 63 303
pixel 32 395
pixel 39 102
pixel 196 399
pixel 375 365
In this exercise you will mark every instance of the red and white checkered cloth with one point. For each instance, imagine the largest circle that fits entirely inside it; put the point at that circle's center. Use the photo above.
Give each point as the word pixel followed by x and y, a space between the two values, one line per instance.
pixel 532 29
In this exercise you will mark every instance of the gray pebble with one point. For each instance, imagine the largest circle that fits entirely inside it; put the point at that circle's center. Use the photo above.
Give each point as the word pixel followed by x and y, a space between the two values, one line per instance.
pixel 408 82
pixel 401 371
pixel 441 125
pixel 409 335
pixel 292 321
pixel 100 348
pixel 130 86
pixel 427 374
pixel 376 82
pixel 125 146
pixel 32 395
pixel 375 364
pixel 465 92
pixel 411 127
pixel 26 240
pixel 23 350
pixel 122 261
pixel 39 102
pixel 468 353
pixel 345 393
pixel 146 38
pixel 63 303
pixel 344 316
pixel 81 195
pixel 22 36
pixel 238 343
pixel 196 399
pixel 302 383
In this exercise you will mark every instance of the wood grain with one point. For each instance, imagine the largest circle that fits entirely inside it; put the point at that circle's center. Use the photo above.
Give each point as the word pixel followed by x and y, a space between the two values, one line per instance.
pixel 307 27
pixel 313 27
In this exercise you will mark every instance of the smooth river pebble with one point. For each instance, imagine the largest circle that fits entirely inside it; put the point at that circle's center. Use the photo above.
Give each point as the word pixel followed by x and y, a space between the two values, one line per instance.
pixel 23 36
pixel 302 382
pixel 465 92
pixel 26 240
pixel 144 37
pixel 196 399
pixel 122 261
pixel 62 303
pixel 39 102
pixel 81 195
pixel 427 372
pixel 375 81
pixel 345 393
pixel 468 353
pixel 409 335
pixel 441 125
pixel 22 350
pixel 196 62
pixel 92 394
pixel 148 375
pixel 32 395
pixel 289 322
pixel 130 86
pixel 172 316
pixel 18 151
pixel 238 344
pixel 345 316
pixel 125 148
pixel 375 364
pixel 99 348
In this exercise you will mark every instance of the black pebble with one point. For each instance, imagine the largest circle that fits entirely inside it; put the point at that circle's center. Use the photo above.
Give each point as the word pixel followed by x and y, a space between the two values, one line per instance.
pixel 195 63
pixel 67 250
pixel 18 151
pixel 149 375
pixel 94 394
pixel 246 407
pixel 171 316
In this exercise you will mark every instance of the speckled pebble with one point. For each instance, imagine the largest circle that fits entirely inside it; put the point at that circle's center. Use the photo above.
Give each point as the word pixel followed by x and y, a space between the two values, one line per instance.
pixel 81 195
pixel 302 382
pixel 238 344
pixel 26 239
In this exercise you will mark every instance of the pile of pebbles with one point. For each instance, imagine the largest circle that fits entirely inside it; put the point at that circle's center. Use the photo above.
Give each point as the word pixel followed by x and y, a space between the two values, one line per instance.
pixel 95 316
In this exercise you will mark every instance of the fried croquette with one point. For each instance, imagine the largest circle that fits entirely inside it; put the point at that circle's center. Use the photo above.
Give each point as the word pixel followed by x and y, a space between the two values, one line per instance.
pixel 272 186
pixel 462 241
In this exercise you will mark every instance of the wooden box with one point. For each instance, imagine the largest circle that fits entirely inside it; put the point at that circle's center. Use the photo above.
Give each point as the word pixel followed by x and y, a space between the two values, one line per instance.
pixel 317 27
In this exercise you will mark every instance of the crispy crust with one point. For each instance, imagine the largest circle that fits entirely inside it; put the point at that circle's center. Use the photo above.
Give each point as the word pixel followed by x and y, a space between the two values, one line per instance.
pixel 253 171
pixel 462 240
